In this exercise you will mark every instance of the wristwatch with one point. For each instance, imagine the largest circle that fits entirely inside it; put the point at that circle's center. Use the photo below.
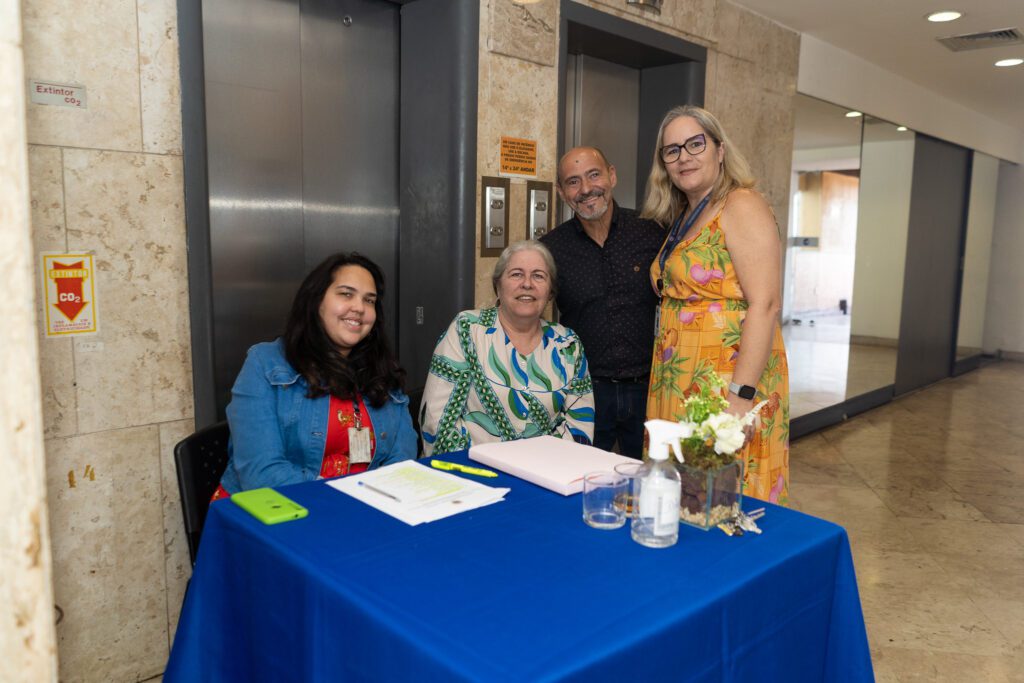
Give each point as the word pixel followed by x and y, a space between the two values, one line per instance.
pixel 743 390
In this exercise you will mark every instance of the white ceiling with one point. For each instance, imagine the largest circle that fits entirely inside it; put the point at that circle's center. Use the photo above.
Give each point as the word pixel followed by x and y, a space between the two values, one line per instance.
pixel 894 35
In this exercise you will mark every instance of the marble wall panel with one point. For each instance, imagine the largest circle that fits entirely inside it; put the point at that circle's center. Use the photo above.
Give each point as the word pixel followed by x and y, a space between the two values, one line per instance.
pixel 127 209
pixel 742 34
pixel 770 50
pixel 177 566
pixel 108 554
pixel 158 74
pixel 46 177
pixel 27 641
pixel 519 99
pixel 57 365
pixel 760 123
pixel 92 43
pixel 528 31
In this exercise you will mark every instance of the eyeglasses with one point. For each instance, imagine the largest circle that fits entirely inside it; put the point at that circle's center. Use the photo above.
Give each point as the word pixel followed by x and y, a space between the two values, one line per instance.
pixel 693 146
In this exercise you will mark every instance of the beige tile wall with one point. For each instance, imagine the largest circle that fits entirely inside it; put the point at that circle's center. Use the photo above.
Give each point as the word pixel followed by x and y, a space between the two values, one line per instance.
pixel 27 641
pixel 751 80
pixel 107 180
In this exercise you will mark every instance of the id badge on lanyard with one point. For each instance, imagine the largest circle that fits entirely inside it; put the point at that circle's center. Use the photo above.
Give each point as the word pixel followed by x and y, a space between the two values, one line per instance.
pixel 358 439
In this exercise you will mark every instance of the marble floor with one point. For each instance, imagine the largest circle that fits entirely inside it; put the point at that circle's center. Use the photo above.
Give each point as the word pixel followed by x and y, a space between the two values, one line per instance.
pixel 826 369
pixel 930 489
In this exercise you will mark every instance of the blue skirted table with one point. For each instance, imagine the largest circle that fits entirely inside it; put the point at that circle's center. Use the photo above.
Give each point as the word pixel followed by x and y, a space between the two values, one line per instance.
pixel 521 590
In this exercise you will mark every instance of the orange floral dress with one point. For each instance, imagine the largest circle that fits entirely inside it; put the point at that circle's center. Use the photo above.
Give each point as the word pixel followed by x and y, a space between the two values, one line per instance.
pixel 701 317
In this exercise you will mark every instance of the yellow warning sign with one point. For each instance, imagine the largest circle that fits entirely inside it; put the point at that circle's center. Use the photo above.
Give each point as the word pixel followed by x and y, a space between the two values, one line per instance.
pixel 518 157
pixel 69 294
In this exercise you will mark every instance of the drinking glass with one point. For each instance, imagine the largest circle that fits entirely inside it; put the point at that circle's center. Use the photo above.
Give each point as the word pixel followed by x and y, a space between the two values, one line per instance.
pixel 629 470
pixel 601 490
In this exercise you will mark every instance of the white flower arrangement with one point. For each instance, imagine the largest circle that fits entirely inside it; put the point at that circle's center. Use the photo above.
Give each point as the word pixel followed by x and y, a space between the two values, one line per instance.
pixel 708 429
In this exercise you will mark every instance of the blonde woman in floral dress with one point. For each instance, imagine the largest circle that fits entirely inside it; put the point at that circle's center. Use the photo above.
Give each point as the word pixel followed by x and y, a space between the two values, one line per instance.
pixel 719 277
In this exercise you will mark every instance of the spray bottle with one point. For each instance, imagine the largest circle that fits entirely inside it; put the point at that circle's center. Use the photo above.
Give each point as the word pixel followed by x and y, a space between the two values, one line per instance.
pixel 657 486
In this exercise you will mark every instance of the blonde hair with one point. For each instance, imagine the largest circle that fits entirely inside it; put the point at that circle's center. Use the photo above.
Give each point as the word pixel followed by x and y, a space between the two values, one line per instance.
pixel 664 201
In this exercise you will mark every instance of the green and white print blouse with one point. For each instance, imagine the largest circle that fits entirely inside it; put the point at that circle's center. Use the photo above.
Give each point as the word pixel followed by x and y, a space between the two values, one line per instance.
pixel 481 389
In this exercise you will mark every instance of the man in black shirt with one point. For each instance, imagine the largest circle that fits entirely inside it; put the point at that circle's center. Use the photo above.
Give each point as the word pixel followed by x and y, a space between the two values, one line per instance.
pixel 603 255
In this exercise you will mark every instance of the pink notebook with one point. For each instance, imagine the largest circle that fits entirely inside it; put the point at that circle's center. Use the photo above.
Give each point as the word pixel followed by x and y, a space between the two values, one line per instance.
pixel 556 464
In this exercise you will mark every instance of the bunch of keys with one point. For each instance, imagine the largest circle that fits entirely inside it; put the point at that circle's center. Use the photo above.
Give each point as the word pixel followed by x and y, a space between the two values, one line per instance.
pixel 744 521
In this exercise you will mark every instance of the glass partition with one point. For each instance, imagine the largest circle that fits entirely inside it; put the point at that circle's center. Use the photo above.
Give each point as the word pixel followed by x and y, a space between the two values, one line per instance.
pixel 845 252
pixel 887 168
pixel 818 282
pixel 977 250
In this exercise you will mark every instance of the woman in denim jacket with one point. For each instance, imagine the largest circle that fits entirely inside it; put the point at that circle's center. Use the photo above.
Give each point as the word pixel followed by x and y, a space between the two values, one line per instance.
pixel 326 398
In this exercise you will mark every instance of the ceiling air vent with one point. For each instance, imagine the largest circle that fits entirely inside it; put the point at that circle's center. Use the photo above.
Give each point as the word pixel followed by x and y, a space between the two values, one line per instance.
pixel 985 39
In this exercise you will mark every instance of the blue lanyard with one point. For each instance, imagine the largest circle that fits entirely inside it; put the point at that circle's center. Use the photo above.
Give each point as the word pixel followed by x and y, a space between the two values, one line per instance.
pixel 675 236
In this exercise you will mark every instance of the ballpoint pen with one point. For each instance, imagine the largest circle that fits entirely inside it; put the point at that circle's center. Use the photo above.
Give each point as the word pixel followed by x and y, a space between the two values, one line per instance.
pixel 445 465
pixel 381 492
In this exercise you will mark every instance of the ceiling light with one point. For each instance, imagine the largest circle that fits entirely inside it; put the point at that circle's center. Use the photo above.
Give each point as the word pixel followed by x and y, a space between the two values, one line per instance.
pixel 1010 62
pixel 901 128
pixel 853 114
pixel 945 15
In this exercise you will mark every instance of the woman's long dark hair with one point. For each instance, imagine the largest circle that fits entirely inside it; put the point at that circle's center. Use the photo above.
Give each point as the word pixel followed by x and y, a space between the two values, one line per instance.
pixel 370 368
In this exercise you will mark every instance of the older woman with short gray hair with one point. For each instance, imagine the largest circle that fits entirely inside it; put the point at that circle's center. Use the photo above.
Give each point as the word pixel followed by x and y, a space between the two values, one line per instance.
pixel 505 373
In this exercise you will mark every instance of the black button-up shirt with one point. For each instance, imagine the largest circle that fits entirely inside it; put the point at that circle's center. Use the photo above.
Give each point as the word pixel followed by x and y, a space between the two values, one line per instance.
pixel 605 294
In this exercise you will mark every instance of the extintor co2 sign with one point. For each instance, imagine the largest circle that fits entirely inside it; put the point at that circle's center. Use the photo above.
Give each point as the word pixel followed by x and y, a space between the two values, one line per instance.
pixel 70 294
pixel 58 94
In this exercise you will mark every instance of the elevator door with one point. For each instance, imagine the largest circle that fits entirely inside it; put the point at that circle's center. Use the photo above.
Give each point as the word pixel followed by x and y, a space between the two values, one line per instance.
pixel 302 141
pixel 602 110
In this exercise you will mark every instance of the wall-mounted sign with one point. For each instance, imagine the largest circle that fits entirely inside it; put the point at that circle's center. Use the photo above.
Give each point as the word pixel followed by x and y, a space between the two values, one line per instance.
pixel 518 157
pixel 69 294
pixel 59 94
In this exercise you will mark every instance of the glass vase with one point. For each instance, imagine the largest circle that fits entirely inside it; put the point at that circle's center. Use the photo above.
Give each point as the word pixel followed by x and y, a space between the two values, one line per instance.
pixel 710 496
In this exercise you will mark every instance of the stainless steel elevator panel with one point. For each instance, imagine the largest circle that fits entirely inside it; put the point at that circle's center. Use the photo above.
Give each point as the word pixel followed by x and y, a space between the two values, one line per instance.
pixel 254 127
pixel 350 70
pixel 603 110
pixel 302 141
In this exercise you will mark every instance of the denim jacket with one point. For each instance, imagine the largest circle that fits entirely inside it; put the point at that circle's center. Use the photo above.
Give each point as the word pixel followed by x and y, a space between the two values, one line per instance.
pixel 278 434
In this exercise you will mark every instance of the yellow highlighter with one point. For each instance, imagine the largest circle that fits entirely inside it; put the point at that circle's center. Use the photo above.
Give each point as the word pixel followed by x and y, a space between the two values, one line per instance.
pixel 445 465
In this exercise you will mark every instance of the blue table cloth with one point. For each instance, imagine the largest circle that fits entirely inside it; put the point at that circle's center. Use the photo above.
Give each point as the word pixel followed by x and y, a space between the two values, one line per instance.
pixel 521 590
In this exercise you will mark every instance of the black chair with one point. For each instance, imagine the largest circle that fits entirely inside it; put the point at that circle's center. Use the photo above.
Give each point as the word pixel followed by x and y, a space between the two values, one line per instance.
pixel 200 461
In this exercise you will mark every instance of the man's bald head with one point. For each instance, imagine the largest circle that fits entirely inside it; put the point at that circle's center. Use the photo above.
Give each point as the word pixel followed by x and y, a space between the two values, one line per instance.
pixel 577 152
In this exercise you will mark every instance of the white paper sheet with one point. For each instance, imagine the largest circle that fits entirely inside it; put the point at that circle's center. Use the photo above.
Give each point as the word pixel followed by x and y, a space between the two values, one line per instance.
pixel 414 493
pixel 556 464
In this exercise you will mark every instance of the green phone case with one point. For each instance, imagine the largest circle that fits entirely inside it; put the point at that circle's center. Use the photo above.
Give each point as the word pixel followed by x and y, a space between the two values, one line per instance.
pixel 269 506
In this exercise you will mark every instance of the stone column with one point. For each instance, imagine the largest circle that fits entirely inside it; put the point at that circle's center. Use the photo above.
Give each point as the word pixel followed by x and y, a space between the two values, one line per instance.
pixel 27 638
